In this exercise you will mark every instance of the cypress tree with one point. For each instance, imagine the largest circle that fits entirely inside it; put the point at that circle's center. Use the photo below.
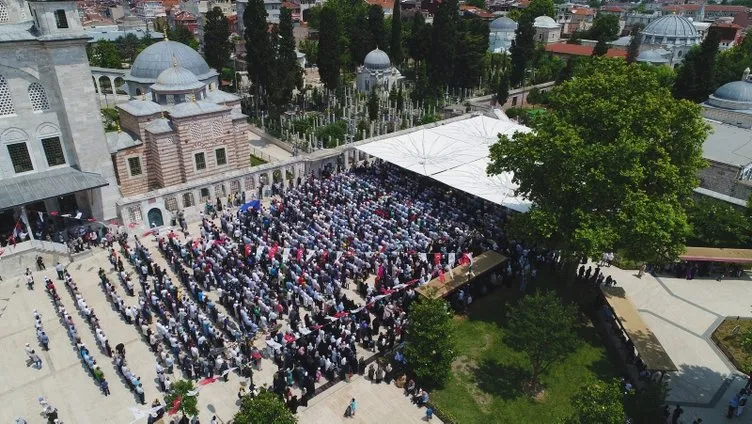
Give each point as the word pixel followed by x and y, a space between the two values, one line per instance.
pixel 288 73
pixel 258 47
pixel 395 44
pixel 601 48
pixel 376 27
pixel 634 44
pixel 329 61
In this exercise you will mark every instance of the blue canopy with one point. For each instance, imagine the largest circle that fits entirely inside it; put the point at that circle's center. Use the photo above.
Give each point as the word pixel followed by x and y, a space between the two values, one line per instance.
pixel 255 204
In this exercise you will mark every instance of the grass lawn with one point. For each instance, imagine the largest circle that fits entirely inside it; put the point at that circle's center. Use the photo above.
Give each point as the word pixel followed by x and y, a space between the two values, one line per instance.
pixel 730 342
pixel 484 386
pixel 255 161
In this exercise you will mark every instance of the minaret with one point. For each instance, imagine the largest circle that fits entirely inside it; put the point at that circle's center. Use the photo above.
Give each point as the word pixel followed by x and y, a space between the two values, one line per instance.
pixel 701 16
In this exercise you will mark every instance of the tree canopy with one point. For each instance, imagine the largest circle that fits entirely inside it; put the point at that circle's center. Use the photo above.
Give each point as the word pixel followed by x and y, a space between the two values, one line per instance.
pixel 542 327
pixel 217 39
pixel 716 223
pixel 695 79
pixel 601 48
pixel 395 44
pixel 430 347
pixel 329 61
pixel 181 34
pixel 523 46
pixel 610 166
pixel 105 54
pixel 258 46
pixel 179 390
pixel 265 408
pixel 599 402
pixel 605 26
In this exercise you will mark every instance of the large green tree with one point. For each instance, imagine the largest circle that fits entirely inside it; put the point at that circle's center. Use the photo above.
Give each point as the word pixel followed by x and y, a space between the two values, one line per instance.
pixel 129 46
pixel 443 44
pixel 182 34
pixel 542 327
pixel 633 50
pixel 430 347
pixel 217 39
pixel 105 55
pixel 373 104
pixel 601 48
pixel 266 408
pixel 502 89
pixel 471 47
pixel 522 50
pixel 731 63
pixel 329 60
pixel 395 44
pixel 419 43
pixel 258 46
pixel 716 223
pixel 598 402
pixel 605 26
pixel 179 390
pixel 287 71
pixel 609 166
pixel 361 40
pixel 376 27
pixel 695 79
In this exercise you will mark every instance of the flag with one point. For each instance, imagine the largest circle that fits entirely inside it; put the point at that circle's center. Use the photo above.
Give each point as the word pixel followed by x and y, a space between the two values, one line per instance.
pixel 380 272
pixel 441 276
pixel 436 258
pixel 228 370
pixel 207 380
pixel 339 255
pixel 247 250
pixel 285 254
pixel 423 257
pixel 273 251
pixel 259 251
pixel 467 259
pixel 17 230
pixel 176 405
pixel 300 255
pixel 452 259
pixel 310 255
pixel 41 216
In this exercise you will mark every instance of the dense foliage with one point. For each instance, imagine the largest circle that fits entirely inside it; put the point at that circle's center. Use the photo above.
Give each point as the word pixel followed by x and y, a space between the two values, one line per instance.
pixel 179 390
pixel 217 39
pixel 544 337
pixel 695 79
pixel 267 408
pixel 598 402
pixel 611 166
pixel 430 347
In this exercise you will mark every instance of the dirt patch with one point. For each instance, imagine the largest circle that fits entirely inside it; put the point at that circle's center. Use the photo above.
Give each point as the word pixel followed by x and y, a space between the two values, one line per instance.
pixel 464 368
pixel 463 365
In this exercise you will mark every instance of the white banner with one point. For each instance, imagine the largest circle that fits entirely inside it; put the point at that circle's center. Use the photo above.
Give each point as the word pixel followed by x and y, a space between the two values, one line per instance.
pixel 452 259
pixel 285 254
pixel 423 257
pixel 339 255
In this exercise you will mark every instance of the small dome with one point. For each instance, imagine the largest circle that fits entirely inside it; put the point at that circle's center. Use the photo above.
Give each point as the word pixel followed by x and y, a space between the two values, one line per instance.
pixel 671 26
pixel 176 75
pixel 177 78
pixel 545 22
pixel 159 56
pixel 735 95
pixel 377 59
pixel 502 24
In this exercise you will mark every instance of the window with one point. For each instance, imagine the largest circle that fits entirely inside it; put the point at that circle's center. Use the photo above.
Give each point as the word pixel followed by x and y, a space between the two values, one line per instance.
pixel 53 151
pixel 250 182
pixel 204 194
pixel 134 166
pixel 200 161
pixel 60 19
pixel 221 157
pixel 4 18
pixel 38 97
pixel 6 103
pixel 171 204
pixel 19 156
pixel 188 200
pixel 134 214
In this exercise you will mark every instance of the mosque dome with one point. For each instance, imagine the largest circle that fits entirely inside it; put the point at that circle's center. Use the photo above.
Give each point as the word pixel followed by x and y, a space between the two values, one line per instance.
pixel 377 59
pixel 653 56
pixel 545 22
pixel 151 62
pixel 502 24
pixel 671 26
pixel 735 95
pixel 177 78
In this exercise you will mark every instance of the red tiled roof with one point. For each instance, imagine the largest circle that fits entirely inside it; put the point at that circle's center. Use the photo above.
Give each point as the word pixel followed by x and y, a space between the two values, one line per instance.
pixel 385 4
pixel 290 5
pixel 725 25
pixel 580 50
pixel 582 11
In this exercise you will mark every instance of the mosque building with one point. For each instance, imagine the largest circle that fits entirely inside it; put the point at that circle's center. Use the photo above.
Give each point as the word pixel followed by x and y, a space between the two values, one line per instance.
pixel 53 154
pixel 728 149
pixel 377 71
pixel 666 40
pixel 178 128
pixel 501 34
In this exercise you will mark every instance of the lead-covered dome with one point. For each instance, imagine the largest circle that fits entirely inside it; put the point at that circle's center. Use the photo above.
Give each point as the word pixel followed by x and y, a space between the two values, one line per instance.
pixel 736 95
pixel 177 78
pixel 151 62
pixel 502 24
pixel 377 59
pixel 671 29
pixel 545 22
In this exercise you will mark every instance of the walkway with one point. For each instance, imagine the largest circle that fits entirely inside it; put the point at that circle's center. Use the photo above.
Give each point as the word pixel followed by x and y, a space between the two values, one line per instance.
pixel 683 314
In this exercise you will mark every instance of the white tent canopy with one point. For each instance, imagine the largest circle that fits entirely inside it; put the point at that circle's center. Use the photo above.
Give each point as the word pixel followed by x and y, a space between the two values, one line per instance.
pixel 455 154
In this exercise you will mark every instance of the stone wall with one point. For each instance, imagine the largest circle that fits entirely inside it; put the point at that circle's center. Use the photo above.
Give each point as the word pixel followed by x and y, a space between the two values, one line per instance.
pixel 723 178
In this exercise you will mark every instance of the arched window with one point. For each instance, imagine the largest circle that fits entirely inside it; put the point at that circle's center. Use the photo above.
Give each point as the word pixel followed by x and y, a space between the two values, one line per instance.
pixel 6 103
pixel 4 17
pixel 38 97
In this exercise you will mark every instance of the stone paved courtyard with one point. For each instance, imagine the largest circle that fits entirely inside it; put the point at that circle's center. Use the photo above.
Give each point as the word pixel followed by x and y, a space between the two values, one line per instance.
pixel 67 385
pixel 683 314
